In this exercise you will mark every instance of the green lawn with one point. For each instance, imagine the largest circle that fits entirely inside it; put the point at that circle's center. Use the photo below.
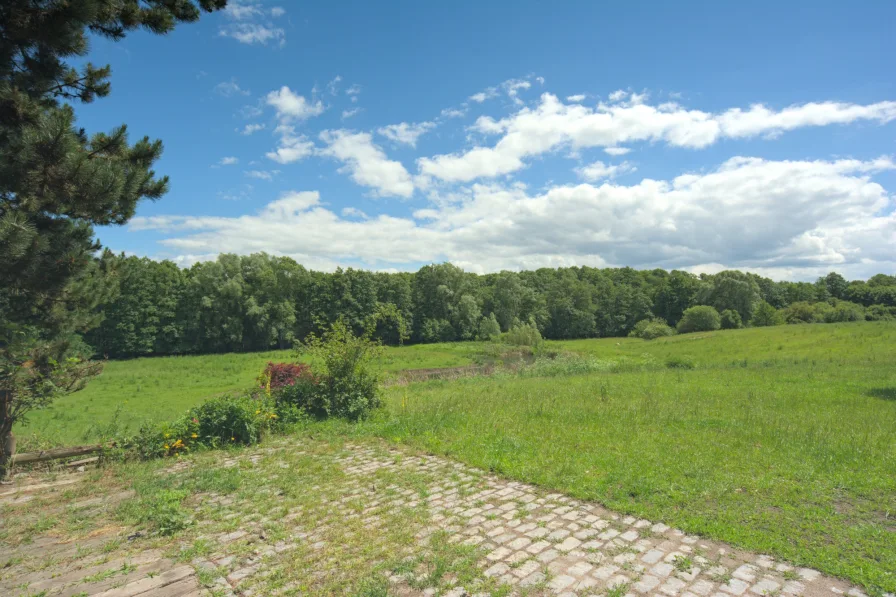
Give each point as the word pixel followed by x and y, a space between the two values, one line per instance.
pixel 780 441
pixel 162 388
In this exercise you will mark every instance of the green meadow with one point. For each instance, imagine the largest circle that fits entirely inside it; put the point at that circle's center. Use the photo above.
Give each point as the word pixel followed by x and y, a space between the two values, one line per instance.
pixel 778 440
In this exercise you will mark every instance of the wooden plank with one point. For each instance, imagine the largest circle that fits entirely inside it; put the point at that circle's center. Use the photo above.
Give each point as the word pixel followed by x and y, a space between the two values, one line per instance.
pixel 53 454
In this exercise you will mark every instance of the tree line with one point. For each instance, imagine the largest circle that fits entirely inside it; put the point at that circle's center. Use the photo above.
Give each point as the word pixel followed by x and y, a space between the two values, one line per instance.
pixel 258 302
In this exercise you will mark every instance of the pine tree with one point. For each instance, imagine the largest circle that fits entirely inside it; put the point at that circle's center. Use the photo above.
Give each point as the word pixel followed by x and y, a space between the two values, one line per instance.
pixel 57 182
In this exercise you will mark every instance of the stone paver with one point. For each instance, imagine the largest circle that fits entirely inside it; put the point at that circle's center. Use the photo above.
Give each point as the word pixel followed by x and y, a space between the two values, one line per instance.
pixel 538 543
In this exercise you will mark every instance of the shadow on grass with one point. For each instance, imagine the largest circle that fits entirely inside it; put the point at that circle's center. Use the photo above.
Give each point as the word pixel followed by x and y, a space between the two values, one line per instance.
pixel 882 393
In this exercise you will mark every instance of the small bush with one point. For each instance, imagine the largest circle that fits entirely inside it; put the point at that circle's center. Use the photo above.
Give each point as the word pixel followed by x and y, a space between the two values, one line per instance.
pixel 228 420
pixel 278 375
pixel 348 385
pixel 842 311
pixel 731 320
pixel 649 329
pixel 489 329
pixel 701 318
pixel 766 315
pixel 523 334
pixel 680 362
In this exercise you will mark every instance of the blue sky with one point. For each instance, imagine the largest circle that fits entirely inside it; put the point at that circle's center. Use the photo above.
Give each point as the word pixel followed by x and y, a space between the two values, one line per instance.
pixel 692 135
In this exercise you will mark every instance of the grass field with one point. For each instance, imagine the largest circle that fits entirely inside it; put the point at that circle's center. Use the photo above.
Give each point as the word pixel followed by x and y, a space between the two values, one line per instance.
pixel 162 388
pixel 779 440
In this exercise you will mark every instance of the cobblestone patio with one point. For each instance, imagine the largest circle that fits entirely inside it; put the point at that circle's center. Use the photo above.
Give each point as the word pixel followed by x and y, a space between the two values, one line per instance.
pixel 524 541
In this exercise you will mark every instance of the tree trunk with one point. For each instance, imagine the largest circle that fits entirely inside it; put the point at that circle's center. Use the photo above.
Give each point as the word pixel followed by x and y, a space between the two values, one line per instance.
pixel 7 439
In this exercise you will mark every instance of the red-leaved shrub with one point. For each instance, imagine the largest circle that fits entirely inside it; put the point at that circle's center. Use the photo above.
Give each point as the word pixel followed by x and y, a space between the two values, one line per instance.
pixel 284 374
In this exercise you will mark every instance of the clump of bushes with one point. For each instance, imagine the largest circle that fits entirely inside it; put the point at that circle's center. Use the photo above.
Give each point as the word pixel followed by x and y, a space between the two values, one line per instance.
pixel 522 334
pixel 278 375
pixel 680 362
pixel 240 419
pixel 346 384
pixel 701 318
pixel 731 320
pixel 766 315
pixel 651 328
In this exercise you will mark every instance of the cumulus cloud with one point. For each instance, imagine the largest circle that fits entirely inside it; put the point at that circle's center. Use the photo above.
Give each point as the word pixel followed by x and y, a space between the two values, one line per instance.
pixel 253 33
pixel 262 174
pixel 250 129
pixel 750 213
pixel 367 163
pixel 552 125
pixel 228 161
pixel 616 150
pixel 292 106
pixel 292 148
pixel 599 170
pixel 406 133
pixel 580 97
pixel 229 88
pixel 251 23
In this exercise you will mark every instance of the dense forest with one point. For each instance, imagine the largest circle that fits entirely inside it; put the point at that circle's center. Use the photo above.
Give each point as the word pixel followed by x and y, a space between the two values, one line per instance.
pixel 258 302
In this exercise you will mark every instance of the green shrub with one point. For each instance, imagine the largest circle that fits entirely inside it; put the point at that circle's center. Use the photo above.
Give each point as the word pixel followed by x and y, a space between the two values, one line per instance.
pixel 224 420
pixel 649 329
pixel 489 329
pixel 800 312
pixel 731 320
pixel 766 315
pixel 348 385
pixel 701 318
pixel 680 362
pixel 842 311
pixel 523 334
pixel 880 313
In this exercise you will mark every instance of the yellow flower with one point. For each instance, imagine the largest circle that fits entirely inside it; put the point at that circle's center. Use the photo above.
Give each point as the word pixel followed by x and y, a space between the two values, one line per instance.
pixel 257 411
pixel 167 447
pixel 167 435
pixel 195 436
pixel 273 416
pixel 232 439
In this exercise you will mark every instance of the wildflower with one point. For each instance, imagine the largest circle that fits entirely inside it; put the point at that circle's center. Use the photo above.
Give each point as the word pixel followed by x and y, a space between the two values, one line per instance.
pixel 257 411
pixel 167 435
pixel 195 436
pixel 167 447
pixel 273 416
pixel 232 438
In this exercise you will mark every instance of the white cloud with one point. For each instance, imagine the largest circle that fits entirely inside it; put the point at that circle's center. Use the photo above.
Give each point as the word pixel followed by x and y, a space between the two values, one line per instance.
pixel 488 93
pixel 453 112
pixel 579 97
pixel 290 105
pixel 228 161
pixel 353 92
pixel 353 212
pixel 346 114
pixel 333 85
pixel 241 10
pixel 513 87
pixel 800 217
pixel 552 125
pixel 253 33
pixel 367 163
pixel 616 150
pixel 618 95
pixel 599 170
pixel 406 133
pixel 262 174
pixel 292 148
pixel 229 88
pixel 251 25
pixel 250 129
